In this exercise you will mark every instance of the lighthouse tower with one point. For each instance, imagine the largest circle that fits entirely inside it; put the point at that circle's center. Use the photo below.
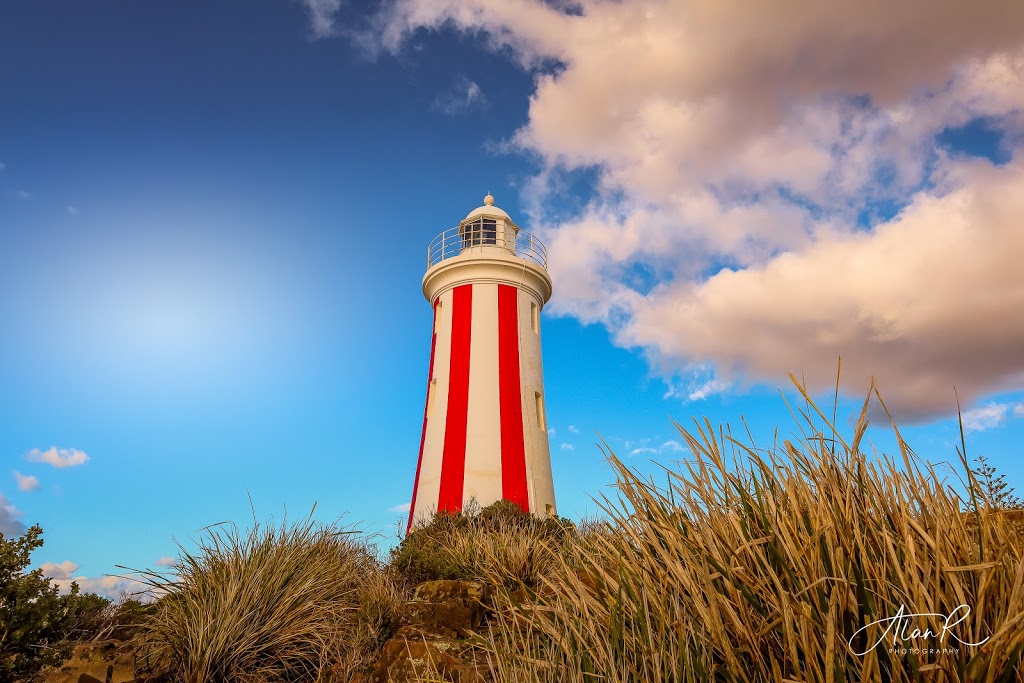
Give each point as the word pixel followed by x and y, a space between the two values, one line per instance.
pixel 484 435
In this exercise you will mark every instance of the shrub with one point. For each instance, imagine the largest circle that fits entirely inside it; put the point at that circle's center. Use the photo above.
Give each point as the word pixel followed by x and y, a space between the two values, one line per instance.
pixel 500 543
pixel 90 615
pixel 288 603
pixel 34 618
pixel 772 564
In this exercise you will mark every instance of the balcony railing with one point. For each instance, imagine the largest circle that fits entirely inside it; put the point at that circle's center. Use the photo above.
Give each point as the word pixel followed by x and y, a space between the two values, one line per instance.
pixel 482 239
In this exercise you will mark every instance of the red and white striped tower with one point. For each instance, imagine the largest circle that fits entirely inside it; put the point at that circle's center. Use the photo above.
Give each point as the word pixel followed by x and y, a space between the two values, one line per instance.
pixel 484 433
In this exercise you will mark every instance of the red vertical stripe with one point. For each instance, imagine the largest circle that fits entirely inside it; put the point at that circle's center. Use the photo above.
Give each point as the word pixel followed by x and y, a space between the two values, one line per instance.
pixel 513 450
pixel 423 434
pixel 453 459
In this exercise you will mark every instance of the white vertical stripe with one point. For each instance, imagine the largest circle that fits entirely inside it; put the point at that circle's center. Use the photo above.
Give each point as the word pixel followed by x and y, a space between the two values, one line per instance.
pixel 538 454
pixel 429 485
pixel 483 437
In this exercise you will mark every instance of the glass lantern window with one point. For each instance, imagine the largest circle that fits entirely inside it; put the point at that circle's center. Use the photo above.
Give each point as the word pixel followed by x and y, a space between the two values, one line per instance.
pixel 480 231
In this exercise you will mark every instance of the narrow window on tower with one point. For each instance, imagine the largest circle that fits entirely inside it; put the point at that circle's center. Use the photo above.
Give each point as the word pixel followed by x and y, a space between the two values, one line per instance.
pixel 430 396
pixel 535 317
pixel 541 421
pixel 437 318
pixel 489 232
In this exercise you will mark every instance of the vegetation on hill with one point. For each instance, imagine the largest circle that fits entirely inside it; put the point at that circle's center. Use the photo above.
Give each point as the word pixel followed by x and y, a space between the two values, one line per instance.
pixel 808 559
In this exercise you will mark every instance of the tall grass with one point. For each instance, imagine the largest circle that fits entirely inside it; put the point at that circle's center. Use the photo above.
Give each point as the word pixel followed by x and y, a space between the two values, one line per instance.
pixel 295 602
pixel 747 564
pixel 772 564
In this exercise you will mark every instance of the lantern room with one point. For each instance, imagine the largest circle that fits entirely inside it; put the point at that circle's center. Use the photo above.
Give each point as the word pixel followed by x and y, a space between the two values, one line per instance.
pixel 488 226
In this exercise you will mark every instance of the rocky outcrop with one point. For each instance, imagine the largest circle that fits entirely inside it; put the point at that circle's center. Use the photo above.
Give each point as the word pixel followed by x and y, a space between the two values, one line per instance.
pixel 106 662
pixel 437 636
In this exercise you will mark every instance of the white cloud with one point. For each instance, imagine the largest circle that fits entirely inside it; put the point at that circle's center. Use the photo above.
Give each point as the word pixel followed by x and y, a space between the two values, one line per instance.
pixel 401 507
pixel 926 302
pixel 573 429
pixel 167 562
pixel 1018 410
pixel 10 522
pixel 3 166
pixel 321 16
pixel 110 587
pixel 64 570
pixel 26 482
pixel 985 417
pixel 462 97
pixel 737 178
pixel 646 447
pixel 72 210
pixel 58 457
pixel 697 386
pixel 551 431
pixel 567 447
pixel 23 194
pixel 708 388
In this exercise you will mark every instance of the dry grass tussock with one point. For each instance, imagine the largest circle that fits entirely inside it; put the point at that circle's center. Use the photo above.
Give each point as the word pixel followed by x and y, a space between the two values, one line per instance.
pixel 772 564
pixel 287 603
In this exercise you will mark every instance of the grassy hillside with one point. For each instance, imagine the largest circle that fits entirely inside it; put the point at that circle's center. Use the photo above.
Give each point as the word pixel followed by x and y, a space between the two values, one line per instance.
pixel 794 561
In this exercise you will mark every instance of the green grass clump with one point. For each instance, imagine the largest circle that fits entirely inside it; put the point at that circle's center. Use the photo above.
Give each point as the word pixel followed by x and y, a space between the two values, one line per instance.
pixel 770 564
pixel 289 603
pixel 500 542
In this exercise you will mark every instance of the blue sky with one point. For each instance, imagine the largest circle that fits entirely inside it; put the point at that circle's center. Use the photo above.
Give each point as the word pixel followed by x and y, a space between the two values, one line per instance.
pixel 214 217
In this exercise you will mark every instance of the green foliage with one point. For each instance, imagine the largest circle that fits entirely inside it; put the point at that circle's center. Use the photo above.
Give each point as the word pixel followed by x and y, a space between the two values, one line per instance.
pixel 422 555
pixel 89 615
pixel 94 617
pixel 34 618
pixel 499 542
pixel 994 488
pixel 132 611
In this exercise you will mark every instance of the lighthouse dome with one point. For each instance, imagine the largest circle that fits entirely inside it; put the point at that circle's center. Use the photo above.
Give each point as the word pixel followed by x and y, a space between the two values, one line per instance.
pixel 488 209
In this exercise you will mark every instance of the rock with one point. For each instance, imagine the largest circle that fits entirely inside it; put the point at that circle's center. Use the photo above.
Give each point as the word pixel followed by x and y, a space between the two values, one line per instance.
pixel 446 590
pixel 450 608
pixel 100 661
pixel 406 660
pixel 453 619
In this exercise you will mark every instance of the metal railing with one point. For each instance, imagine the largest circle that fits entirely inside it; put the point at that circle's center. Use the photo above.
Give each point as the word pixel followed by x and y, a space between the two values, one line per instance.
pixel 452 242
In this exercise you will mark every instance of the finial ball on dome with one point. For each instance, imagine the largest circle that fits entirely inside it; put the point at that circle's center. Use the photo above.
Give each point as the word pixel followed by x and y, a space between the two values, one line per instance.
pixel 489 200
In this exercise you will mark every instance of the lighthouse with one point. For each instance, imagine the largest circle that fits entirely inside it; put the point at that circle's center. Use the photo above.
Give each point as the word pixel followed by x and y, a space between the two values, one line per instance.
pixel 484 435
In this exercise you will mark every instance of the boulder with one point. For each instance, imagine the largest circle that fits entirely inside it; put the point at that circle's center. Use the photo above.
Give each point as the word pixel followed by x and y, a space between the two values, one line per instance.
pixel 407 660
pixel 453 619
pixel 446 590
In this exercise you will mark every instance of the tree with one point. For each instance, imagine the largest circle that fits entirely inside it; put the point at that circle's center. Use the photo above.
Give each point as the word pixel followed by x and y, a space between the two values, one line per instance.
pixel 994 486
pixel 34 617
